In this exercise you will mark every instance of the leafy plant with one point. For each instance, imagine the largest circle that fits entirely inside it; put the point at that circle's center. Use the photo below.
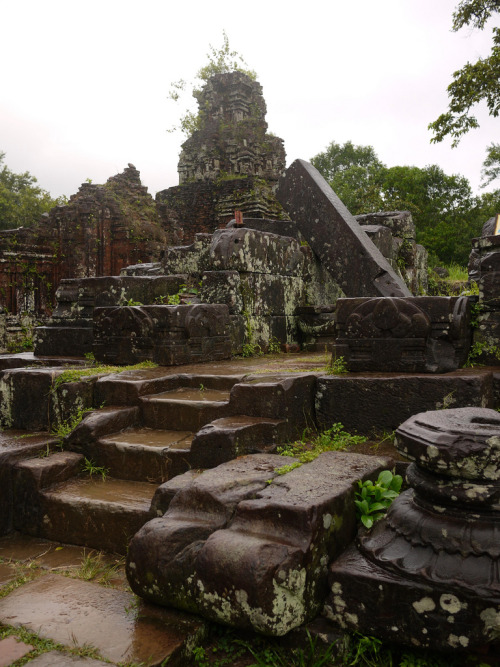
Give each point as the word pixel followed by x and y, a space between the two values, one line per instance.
pixel 274 346
pixel 131 302
pixel 64 428
pixel 337 366
pixel 251 350
pixel 478 349
pixel 373 499
pixel 89 467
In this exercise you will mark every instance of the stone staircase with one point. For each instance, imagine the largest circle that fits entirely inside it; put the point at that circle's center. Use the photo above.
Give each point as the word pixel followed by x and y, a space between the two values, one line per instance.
pixel 98 491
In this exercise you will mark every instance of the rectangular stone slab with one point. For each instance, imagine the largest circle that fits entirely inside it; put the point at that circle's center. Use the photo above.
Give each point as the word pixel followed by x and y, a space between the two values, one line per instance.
pixel 71 611
pixel 349 255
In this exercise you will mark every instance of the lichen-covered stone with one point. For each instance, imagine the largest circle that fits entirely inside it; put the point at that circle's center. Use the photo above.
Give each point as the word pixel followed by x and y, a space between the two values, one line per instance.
pixel 431 567
pixel 248 548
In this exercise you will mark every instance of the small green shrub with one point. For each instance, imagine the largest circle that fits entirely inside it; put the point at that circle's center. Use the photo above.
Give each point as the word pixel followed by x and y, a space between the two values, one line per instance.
pixel 373 499
pixel 337 366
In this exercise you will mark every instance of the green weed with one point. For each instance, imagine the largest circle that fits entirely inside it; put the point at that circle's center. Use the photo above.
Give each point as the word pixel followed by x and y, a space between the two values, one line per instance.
pixel 95 567
pixel 373 499
pixel 312 444
pixel 64 428
pixel 337 366
pixel 90 468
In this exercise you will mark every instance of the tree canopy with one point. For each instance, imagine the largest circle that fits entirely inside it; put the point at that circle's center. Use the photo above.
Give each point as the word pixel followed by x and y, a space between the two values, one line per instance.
pixel 446 213
pixel 22 201
pixel 475 82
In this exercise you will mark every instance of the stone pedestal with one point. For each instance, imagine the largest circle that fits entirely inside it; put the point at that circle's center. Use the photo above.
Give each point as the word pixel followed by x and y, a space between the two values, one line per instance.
pixel 431 568
pixel 411 335
pixel 167 335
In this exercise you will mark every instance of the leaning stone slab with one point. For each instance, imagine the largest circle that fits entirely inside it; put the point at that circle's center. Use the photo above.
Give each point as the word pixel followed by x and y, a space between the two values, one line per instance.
pixel 247 547
pixel 337 239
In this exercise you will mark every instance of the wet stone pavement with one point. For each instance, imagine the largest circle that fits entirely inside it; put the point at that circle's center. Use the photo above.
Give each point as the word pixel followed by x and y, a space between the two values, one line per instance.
pixel 79 600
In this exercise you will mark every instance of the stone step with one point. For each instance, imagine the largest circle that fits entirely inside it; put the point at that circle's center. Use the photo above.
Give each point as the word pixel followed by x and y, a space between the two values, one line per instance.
pixel 229 437
pixel 185 408
pixel 102 514
pixel 54 500
pixel 144 454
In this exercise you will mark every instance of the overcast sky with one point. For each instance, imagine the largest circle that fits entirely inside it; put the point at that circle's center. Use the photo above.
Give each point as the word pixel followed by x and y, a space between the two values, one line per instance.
pixel 84 85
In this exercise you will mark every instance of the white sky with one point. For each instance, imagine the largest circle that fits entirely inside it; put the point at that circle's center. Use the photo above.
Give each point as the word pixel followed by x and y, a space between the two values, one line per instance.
pixel 84 85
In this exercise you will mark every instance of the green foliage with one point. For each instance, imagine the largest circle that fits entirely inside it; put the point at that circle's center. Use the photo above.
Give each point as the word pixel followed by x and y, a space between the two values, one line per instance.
pixel 312 444
pixel 86 374
pixel 475 82
pixel 90 468
pixel 22 201
pixel 64 428
pixel 220 61
pixel 446 213
pixel 337 366
pixel 251 350
pixel 354 174
pixel 478 349
pixel 131 302
pixel 274 346
pixel 97 567
pixel 491 165
pixel 373 499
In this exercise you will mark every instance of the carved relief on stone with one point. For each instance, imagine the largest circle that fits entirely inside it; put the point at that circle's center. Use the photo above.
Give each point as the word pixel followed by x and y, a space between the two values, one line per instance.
pixel 411 334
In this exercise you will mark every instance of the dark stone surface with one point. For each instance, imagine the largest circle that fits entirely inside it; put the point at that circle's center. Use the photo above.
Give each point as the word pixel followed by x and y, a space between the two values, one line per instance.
pixel 167 335
pixel 275 397
pixel 246 552
pixel 248 250
pixel 438 543
pixel 225 439
pixel 381 402
pixel 14 446
pixel 348 254
pixel 416 334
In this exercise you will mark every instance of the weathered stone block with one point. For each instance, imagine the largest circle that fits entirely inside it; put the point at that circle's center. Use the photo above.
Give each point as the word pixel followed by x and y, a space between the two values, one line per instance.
pixel 275 397
pixel 416 334
pixel 247 250
pixel 351 258
pixel 223 287
pixel 380 236
pixel 225 439
pixel 431 566
pixel 248 553
pixel 167 335
pixel 367 403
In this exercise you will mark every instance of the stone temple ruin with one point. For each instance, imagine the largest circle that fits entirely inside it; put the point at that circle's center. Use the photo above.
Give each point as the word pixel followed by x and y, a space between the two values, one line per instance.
pixel 242 257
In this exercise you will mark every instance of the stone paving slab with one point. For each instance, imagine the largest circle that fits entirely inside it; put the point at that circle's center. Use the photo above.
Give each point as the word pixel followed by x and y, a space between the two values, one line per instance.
pixel 57 659
pixel 11 650
pixel 7 573
pixel 74 612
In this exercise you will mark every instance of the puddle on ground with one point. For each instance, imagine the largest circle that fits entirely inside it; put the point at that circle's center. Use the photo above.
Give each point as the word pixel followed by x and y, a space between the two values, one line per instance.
pixel 190 394
pixel 117 491
pixel 120 627
pixel 150 437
